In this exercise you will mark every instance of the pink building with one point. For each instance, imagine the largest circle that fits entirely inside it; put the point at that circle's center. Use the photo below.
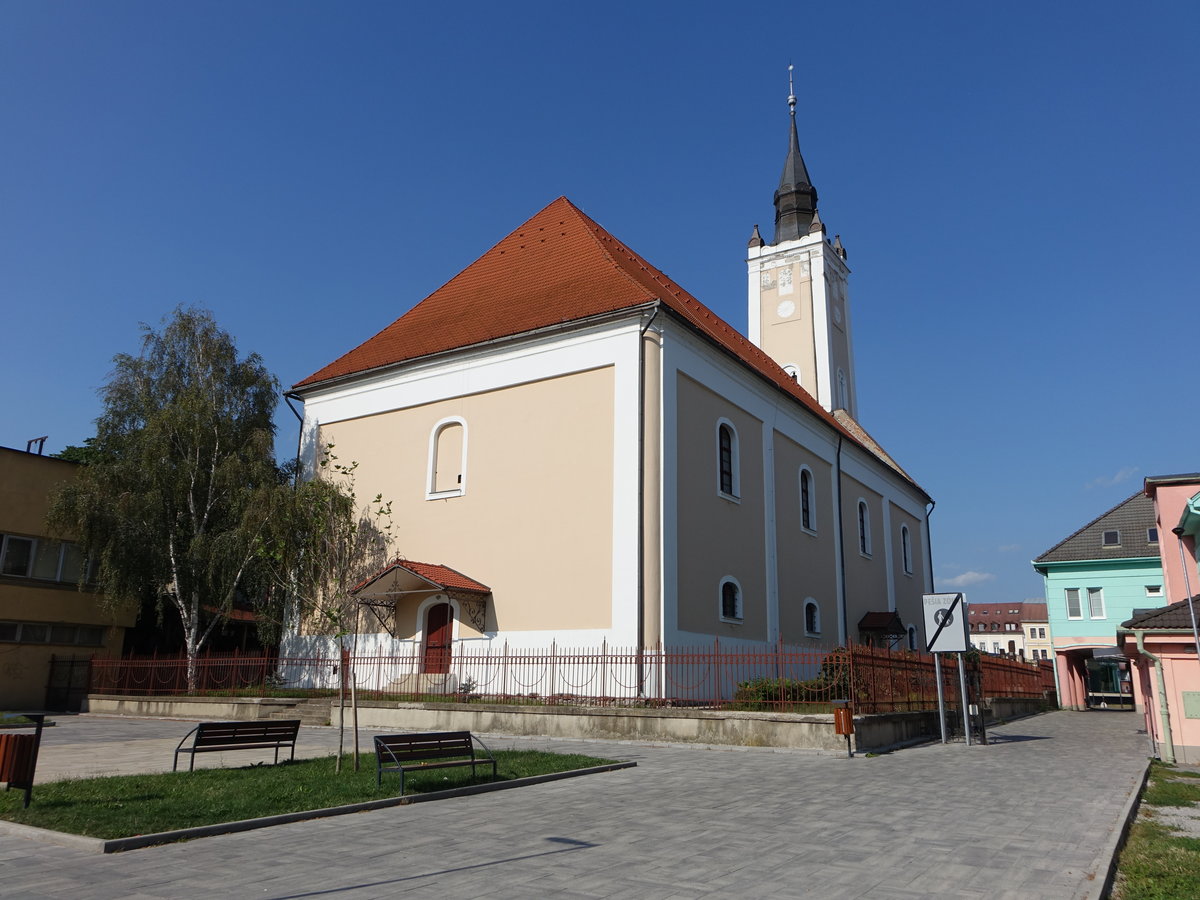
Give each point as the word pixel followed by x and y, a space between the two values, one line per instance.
pixel 1162 643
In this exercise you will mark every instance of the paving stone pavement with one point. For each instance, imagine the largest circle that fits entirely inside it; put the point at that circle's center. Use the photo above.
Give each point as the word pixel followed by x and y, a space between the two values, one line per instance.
pixel 1032 815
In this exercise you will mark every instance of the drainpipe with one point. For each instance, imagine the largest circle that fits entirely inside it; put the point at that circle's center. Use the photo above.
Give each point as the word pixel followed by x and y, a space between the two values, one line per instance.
pixel 1187 586
pixel 288 397
pixel 641 499
pixel 1168 749
pixel 843 618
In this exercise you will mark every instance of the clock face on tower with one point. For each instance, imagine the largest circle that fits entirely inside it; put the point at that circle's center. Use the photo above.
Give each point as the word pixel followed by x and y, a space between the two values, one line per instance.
pixel 785 309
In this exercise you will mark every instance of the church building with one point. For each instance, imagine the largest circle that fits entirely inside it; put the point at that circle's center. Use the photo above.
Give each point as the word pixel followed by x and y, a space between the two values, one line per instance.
pixel 579 451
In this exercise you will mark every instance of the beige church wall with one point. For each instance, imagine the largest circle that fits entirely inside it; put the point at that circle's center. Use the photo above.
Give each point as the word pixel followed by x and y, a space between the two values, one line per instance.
pixel 806 561
pixel 866 578
pixel 909 588
pixel 717 537
pixel 535 523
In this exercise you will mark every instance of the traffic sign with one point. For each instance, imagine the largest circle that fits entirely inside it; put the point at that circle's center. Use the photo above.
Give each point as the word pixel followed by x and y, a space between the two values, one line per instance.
pixel 945 623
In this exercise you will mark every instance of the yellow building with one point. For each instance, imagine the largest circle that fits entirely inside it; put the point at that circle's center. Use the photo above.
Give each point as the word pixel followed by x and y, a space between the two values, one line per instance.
pixel 563 423
pixel 43 613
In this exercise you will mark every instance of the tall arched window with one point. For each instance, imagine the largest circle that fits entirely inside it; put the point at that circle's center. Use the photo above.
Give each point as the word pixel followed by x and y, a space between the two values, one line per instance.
pixel 728 481
pixel 912 637
pixel 730 599
pixel 812 617
pixel 808 510
pixel 864 528
pixel 906 549
pixel 843 392
pixel 447 459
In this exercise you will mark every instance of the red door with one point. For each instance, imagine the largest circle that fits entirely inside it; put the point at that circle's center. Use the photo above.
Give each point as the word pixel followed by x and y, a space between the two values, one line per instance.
pixel 438 633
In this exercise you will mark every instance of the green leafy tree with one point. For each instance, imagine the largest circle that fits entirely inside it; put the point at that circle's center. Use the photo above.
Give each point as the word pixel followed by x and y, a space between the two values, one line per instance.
pixel 171 501
pixel 321 543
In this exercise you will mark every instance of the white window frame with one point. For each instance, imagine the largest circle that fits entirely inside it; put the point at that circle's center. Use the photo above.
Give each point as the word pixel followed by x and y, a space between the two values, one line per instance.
pixel 1078 602
pixel 810 603
pixel 811 527
pixel 1105 542
pixel 735 461
pixel 1095 592
pixel 741 601
pixel 431 492
pixel 863 521
pixel 1154 590
pixel 906 549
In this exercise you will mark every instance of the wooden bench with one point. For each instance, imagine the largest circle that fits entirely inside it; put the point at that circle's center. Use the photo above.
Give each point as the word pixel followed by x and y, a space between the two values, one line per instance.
pixel 212 737
pixel 433 750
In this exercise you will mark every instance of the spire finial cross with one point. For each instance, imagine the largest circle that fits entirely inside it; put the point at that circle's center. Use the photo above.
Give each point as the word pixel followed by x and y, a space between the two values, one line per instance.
pixel 791 91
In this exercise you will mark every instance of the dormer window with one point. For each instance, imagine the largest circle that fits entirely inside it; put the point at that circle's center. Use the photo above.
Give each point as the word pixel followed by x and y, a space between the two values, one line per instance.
pixel 1112 539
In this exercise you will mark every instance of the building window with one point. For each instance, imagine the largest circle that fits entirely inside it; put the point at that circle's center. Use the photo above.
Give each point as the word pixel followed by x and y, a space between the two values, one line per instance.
pixel 731 600
pixel 1154 590
pixel 447 459
pixel 1112 539
pixel 43 559
pixel 18 554
pixel 995 626
pixel 843 392
pixel 727 460
pixel 906 549
pixel 41 633
pixel 1074 609
pixel 995 646
pixel 1151 535
pixel 864 528
pixel 912 637
pixel 812 617
pixel 1096 603
pixel 808 513
pixel 1010 626
pixel 1042 636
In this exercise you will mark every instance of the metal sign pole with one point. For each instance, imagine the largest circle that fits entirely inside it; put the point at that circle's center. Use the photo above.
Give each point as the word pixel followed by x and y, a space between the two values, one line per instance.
pixel 966 708
pixel 937 669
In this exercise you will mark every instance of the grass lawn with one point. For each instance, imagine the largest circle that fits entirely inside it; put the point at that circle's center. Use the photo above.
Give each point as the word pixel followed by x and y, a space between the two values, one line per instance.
pixel 1159 863
pixel 126 805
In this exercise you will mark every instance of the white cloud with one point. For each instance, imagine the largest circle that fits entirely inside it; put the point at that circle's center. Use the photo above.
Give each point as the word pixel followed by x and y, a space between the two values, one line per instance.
pixel 966 579
pixel 1110 480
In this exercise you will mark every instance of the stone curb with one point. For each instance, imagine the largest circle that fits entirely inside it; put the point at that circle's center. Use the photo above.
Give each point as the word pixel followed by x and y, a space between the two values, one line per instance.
pixel 1099 887
pixel 120 845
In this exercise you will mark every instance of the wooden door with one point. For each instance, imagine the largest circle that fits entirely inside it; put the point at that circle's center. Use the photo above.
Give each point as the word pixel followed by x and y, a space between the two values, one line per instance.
pixel 438 634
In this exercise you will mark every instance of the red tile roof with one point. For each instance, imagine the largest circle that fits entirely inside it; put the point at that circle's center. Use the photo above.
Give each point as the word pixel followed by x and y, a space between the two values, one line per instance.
pixel 558 267
pixel 443 576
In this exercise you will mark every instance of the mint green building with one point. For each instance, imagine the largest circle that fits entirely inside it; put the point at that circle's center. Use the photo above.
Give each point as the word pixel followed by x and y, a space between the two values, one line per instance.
pixel 1094 580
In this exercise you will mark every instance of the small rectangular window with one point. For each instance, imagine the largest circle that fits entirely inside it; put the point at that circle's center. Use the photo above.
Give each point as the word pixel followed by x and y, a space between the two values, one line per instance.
pixel 18 554
pixel 34 634
pixel 72 563
pixel 1112 539
pixel 90 636
pixel 1151 535
pixel 45 560
pixel 1074 609
pixel 62 634
pixel 8 631
pixel 1154 590
pixel 1096 603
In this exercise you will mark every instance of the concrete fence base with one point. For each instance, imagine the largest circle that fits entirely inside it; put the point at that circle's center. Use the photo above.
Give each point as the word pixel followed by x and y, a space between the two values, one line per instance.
pixel 873 733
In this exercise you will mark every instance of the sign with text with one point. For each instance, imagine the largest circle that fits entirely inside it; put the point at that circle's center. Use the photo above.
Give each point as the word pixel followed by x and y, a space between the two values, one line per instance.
pixel 945 623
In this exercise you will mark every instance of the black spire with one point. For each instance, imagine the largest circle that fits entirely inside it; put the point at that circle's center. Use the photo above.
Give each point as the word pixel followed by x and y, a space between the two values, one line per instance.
pixel 796 199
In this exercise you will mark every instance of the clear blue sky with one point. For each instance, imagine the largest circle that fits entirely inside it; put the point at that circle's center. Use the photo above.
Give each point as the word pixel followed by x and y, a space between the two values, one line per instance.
pixel 1016 185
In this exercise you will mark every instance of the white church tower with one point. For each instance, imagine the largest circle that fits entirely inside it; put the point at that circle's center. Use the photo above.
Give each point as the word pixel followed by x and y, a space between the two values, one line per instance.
pixel 799 308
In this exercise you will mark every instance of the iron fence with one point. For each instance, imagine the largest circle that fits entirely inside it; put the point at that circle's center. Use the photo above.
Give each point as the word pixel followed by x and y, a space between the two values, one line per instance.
pixel 774 677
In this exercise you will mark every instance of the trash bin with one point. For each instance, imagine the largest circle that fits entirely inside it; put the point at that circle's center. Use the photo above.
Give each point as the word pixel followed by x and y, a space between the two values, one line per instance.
pixel 17 759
